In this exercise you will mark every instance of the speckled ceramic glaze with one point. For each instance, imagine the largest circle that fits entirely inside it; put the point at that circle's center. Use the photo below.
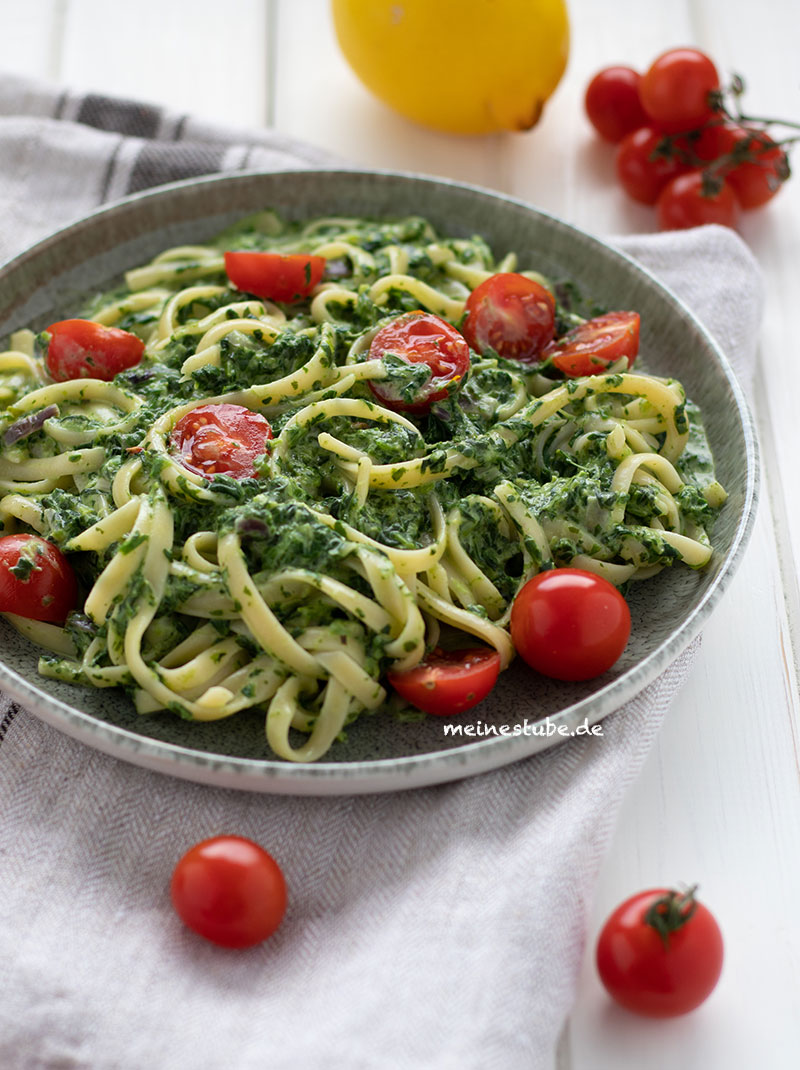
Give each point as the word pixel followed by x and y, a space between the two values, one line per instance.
pixel 382 754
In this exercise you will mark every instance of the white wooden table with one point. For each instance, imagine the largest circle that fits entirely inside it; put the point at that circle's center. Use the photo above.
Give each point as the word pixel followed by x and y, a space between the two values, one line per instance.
pixel 719 800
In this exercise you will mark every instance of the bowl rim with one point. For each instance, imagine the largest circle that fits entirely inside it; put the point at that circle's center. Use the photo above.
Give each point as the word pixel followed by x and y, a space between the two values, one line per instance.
pixel 387 774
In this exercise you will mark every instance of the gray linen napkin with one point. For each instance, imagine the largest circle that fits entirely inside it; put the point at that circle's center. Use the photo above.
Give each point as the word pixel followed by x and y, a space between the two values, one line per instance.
pixel 442 927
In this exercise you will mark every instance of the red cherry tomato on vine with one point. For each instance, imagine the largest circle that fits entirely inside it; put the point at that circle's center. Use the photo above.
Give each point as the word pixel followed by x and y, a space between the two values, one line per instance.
pixel 83 349
pixel 754 181
pixel 675 90
pixel 512 315
pixel 660 953
pixel 221 438
pixel 36 580
pixel 570 624
pixel 276 277
pixel 230 891
pixel 712 141
pixel 420 338
pixel 590 347
pixel 613 104
pixel 642 173
pixel 683 203
pixel 449 681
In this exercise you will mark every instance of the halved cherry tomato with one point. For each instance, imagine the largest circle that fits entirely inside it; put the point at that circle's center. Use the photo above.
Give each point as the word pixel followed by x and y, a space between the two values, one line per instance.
pixel 570 624
pixel 449 681
pixel 613 104
pixel 276 277
pixel 589 348
pixel 512 315
pixel 83 349
pixel 230 891
pixel 643 174
pixel 36 580
pixel 420 338
pixel 221 439
pixel 683 203
pixel 675 90
pixel 660 953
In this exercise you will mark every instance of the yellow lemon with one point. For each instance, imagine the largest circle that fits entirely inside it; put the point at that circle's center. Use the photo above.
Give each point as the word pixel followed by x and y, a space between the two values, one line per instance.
pixel 463 66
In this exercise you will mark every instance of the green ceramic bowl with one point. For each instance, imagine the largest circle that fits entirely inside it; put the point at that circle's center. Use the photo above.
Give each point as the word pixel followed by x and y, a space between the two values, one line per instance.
pixel 382 754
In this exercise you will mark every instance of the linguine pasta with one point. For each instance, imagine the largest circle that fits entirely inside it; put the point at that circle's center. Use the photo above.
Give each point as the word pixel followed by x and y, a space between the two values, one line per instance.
pixel 365 531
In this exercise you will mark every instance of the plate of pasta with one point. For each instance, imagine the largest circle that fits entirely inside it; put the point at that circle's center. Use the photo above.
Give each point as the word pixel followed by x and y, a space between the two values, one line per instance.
pixel 278 449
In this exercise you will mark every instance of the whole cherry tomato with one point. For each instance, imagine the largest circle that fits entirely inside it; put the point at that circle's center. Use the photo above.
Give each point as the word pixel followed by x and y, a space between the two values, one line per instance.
pixel 642 169
pixel 221 438
pixel 613 104
pixel 684 203
pixel 660 953
pixel 511 314
pixel 449 681
pixel 230 891
pixel 420 338
pixel 711 141
pixel 570 624
pixel 675 90
pixel 83 349
pixel 36 580
pixel 756 180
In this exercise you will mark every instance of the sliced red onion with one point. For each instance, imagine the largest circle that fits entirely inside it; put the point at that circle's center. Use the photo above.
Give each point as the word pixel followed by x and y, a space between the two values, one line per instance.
pixel 79 622
pixel 138 377
pixel 28 424
pixel 338 268
pixel 251 525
